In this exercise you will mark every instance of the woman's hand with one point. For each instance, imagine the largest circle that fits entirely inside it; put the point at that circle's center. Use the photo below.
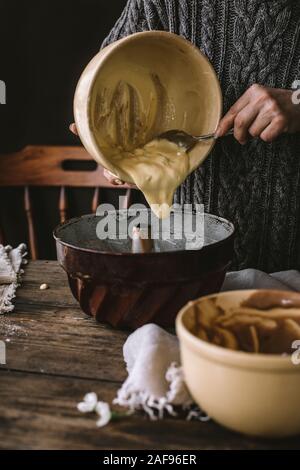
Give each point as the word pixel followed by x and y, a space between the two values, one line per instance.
pixel 111 178
pixel 261 112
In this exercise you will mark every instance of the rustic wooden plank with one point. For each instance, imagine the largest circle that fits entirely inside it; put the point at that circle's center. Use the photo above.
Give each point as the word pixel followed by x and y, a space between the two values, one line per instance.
pixel 38 412
pixel 37 273
pixel 48 331
pixel 62 342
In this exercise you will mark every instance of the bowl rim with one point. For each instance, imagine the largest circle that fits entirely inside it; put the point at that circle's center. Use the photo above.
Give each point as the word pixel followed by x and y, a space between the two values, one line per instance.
pixel 228 357
pixel 108 50
pixel 205 248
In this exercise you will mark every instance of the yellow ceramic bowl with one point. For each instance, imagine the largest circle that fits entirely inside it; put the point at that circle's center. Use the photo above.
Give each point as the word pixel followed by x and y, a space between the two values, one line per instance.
pixel 255 394
pixel 157 78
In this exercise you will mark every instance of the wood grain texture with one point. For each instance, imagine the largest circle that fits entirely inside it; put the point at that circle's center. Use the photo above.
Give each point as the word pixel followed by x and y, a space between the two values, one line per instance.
pixel 40 411
pixel 33 249
pixel 95 200
pixel 55 354
pixel 62 205
pixel 43 166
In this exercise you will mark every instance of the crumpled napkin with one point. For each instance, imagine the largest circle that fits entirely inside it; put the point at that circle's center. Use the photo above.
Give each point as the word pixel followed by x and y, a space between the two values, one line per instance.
pixel 11 260
pixel 155 380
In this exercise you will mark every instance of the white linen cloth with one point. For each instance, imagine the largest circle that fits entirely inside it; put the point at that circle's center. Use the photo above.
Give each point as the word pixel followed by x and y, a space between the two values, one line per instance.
pixel 155 381
pixel 11 260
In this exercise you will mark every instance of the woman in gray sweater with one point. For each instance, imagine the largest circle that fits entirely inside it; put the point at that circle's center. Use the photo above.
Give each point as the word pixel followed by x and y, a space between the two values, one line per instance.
pixel 252 179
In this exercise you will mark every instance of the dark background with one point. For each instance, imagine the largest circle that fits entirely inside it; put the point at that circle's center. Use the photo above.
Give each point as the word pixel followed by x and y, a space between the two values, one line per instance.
pixel 44 46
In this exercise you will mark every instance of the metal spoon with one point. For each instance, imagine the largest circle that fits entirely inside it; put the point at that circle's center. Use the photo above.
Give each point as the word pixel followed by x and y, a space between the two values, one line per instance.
pixel 185 140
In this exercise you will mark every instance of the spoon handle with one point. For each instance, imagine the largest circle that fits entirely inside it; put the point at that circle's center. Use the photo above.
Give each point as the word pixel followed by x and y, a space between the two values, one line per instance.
pixel 202 138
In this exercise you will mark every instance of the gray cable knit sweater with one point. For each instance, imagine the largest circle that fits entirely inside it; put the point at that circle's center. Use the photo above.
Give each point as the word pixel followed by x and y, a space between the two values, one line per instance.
pixel 256 186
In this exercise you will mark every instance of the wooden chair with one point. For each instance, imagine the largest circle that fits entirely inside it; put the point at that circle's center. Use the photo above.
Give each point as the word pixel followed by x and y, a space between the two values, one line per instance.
pixel 52 166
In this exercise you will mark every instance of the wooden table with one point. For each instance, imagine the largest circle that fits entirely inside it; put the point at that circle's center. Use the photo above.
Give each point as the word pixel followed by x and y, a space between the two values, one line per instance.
pixel 55 354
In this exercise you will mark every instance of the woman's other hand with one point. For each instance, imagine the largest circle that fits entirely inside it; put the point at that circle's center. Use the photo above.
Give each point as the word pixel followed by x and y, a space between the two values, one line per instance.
pixel 111 178
pixel 261 112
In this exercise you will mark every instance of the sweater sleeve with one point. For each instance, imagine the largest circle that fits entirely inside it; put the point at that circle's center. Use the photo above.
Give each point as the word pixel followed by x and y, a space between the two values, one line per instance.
pixel 137 16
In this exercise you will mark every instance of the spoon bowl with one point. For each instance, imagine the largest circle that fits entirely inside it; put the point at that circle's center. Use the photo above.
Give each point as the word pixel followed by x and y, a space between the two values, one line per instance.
pixel 187 141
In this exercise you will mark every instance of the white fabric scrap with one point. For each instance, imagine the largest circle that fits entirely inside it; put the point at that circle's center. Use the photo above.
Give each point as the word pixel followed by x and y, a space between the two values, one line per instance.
pixel 91 404
pixel 11 260
pixel 155 382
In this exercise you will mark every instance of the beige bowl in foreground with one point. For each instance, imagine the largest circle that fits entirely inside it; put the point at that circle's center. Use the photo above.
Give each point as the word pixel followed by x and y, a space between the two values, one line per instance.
pixel 254 394
pixel 152 81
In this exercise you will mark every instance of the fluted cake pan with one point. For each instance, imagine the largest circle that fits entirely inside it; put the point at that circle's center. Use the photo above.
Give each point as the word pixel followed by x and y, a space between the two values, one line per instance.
pixel 126 289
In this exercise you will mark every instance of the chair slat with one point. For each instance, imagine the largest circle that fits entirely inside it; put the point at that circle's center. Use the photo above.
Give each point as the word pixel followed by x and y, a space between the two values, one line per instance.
pixel 127 200
pixel 96 200
pixel 63 205
pixel 2 240
pixel 31 229
pixel 43 166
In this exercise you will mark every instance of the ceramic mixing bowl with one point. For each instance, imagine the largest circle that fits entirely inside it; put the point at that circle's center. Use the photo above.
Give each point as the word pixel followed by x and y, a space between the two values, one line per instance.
pixel 128 290
pixel 256 394
pixel 151 81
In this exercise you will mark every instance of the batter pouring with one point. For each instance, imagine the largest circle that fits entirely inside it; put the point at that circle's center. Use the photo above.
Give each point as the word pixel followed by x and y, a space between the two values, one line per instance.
pixel 125 126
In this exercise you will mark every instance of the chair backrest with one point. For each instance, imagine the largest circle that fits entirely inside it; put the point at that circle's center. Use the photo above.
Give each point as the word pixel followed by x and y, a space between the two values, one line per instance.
pixel 56 166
